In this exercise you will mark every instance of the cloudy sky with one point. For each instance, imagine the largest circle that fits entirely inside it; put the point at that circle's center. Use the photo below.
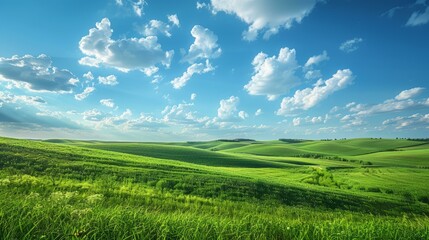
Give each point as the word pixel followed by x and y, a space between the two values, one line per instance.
pixel 170 70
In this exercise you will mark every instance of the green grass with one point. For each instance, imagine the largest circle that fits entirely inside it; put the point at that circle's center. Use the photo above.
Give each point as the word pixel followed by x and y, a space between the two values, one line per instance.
pixel 346 189
pixel 182 153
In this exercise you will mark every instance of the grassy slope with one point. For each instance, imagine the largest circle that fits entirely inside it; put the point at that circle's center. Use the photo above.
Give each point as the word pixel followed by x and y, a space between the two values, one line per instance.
pixel 338 147
pixel 260 161
pixel 183 153
pixel 189 193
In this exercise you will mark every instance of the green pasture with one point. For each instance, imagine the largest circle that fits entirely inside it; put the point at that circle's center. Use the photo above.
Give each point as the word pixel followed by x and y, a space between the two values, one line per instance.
pixel 341 189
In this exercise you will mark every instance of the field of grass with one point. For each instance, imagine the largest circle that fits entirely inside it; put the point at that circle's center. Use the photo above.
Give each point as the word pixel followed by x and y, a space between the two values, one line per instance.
pixel 343 189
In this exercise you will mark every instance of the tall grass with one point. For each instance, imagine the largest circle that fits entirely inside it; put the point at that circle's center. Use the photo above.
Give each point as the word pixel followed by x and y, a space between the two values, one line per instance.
pixel 65 215
pixel 50 191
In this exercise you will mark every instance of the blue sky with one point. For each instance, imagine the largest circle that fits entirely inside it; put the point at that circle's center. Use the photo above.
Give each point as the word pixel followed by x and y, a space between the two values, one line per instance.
pixel 168 70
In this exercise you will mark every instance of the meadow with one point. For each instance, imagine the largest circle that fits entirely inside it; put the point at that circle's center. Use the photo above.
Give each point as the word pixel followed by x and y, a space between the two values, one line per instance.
pixel 224 189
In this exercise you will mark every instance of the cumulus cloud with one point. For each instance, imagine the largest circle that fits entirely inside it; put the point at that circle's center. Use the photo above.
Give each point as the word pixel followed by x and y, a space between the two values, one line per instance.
pixel 274 75
pixel 124 54
pixel 314 60
pixel 296 121
pixel 84 94
pixel 351 45
pixel 182 114
pixel 36 74
pixel 193 96
pixel 414 121
pixel 89 76
pixel 196 68
pixel 313 120
pixel 227 108
pixel 410 93
pixel 108 103
pixel 310 97
pixel 268 16
pixel 155 27
pixel 117 120
pixel 419 18
pixel 351 120
pixel 390 105
pixel 99 119
pixel 258 112
pixel 93 115
pixel 201 5
pixel 6 97
pixel 138 7
pixel 205 45
pixel 174 19
pixel 144 122
pixel 401 102
pixel 109 80
pixel 243 115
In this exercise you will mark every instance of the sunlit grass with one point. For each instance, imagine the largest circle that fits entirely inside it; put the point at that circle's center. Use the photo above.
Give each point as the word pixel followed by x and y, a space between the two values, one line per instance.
pixel 55 191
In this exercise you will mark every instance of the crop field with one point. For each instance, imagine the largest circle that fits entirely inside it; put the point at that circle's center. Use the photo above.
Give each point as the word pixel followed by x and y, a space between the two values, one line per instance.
pixel 224 189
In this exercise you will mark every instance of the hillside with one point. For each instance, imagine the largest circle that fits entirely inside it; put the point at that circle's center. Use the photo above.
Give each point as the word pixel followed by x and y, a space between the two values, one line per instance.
pixel 213 189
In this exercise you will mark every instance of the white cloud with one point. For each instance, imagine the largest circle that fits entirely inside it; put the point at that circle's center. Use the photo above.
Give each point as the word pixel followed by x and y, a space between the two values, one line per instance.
pixel 156 79
pixel 410 93
pixel 93 115
pixel 314 60
pixel 109 80
pixel 313 74
pixel 6 97
pixel 351 45
pixel 108 103
pixel 102 119
pixel 182 114
pixel 117 120
pixel 273 76
pixel 351 120
pixel 138 7
pixel 36 74
pixel 155 27
pixel 193 96
pixel 268 15
pixel 243 115
pixel 401 102
pixel 84 94
pixel 309 97
pixel 390 105
pixel 414 121
pixel 144 122
pixel 205 45
pixel 227 108
pixel 124 54
pixel 196 68
pixel 296 121
pixel 174 19
pixel 258 112
pixel 313 120
pixel 89 76
pixel 203 5
pixel 419 18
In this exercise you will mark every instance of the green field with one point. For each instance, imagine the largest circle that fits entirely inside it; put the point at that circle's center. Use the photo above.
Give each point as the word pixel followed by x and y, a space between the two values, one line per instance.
pixel 342 189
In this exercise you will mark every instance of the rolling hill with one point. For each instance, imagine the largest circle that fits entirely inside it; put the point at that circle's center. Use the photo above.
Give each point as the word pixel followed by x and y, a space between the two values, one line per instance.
pixel 59 189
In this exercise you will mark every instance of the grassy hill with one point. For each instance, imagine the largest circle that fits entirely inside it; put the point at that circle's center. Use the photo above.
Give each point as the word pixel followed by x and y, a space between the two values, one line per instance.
pixel 345 189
